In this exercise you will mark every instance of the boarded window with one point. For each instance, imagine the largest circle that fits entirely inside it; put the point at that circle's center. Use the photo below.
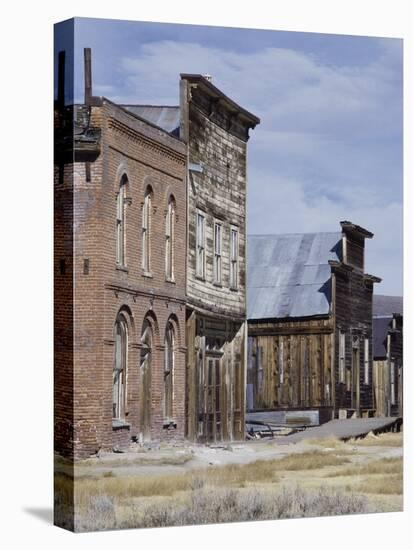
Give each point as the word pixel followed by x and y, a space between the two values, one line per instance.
pixel 200 245
pixel 120 223
pixel 217 252
pixel 233 272
pixel 342 357
pixel 168 372
pixel 170 240
pixel 119 371
pixel 366 361
pixel 146 230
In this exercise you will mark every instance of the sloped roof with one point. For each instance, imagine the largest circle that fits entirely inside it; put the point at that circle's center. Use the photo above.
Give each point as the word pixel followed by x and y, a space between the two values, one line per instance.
pixel 289 275
pixel 387 305
pixel 381 326
pixel 165 116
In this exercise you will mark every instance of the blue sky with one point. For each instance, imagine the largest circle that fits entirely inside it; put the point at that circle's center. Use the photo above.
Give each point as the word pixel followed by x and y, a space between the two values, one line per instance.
pixel 329 146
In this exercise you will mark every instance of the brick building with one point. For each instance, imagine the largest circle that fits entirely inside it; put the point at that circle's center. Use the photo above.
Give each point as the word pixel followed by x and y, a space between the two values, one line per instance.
pixel 150 311
pixel 120 276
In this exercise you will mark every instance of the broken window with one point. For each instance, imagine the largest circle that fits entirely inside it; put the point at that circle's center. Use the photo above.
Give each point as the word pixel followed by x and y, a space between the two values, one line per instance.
pixel 342 356
pixel 200 245
pixel 168 372
pixel 146 230
pixel 170 240
pixel 119 371
pixel 233 272
pixel 217 252
pixel 120 222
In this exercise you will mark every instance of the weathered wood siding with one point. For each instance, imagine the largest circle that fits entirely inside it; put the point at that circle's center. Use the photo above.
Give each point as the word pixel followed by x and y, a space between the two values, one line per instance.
pixel 289 364
pixel 220 193
pixel 353 317
pixel 217 143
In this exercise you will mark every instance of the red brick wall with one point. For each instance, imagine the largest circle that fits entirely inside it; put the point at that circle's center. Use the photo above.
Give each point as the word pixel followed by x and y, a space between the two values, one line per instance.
pixel 146 155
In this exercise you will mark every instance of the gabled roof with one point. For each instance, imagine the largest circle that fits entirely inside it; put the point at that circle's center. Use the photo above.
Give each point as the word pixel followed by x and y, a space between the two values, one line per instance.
pixel 289 275
pixel 381 326
pixel 387 305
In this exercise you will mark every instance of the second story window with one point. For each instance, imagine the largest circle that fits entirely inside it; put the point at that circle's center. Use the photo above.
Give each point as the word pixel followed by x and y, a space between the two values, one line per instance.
pixel 170 240
pixel 120 223
pixel 233 268
pixel 146 230
pixel 200 245
pixel 217 252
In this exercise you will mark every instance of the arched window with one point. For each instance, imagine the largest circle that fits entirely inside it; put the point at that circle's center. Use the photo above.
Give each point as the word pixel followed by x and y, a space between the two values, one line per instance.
pixel 170 240
pixel 146 230
pixel 145 379
pixel 120 368
pixel 120 222
pixel 168 371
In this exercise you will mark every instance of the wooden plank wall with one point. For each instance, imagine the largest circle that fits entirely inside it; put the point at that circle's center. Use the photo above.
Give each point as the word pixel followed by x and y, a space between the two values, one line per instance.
pixel 289 364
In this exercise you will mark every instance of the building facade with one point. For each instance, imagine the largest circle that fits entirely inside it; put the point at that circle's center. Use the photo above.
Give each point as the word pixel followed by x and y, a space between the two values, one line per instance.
pixel 120 279
pixel 310 324
pixel 215 130
pixel 388 364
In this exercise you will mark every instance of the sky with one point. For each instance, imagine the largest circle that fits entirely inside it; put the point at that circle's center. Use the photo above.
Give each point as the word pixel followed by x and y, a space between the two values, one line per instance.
pixel 329 146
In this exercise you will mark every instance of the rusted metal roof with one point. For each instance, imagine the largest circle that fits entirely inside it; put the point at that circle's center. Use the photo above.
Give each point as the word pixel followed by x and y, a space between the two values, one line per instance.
pixel 289 275
pixel 165 117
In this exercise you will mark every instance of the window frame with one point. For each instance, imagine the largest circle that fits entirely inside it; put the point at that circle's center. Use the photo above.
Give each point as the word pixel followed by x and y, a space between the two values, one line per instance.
pixel 200 255
pixel 119 405
pixel 233 258
pixel 170 240
pixel 120 223
pixel 218 253
pixel 169 368
pixel 146 231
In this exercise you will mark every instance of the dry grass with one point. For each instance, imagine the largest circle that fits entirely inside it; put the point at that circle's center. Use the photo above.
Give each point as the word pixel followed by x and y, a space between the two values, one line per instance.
pixel 380 485
pixel 383 466
pixel 383 440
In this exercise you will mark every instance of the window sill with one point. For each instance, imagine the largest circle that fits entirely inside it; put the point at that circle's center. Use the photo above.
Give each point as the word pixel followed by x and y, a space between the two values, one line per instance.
pixel 147 274
pixel 200 278
pixel 219 285
pixel 233 289
pixel 120 424
pixel 122 268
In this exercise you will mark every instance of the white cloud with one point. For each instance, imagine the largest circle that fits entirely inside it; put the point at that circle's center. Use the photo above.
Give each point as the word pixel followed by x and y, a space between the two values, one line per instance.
pixel 328 145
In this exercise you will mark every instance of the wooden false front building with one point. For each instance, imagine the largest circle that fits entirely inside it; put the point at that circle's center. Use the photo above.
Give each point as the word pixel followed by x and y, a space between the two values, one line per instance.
pixel 216 130
pixel 388 364
pixel 309 311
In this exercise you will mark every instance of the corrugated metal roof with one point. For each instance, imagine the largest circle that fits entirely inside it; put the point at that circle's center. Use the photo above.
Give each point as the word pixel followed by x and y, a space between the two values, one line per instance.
pixel 289 275
pixel 166 117
pixel 381 326
pixel 387 305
